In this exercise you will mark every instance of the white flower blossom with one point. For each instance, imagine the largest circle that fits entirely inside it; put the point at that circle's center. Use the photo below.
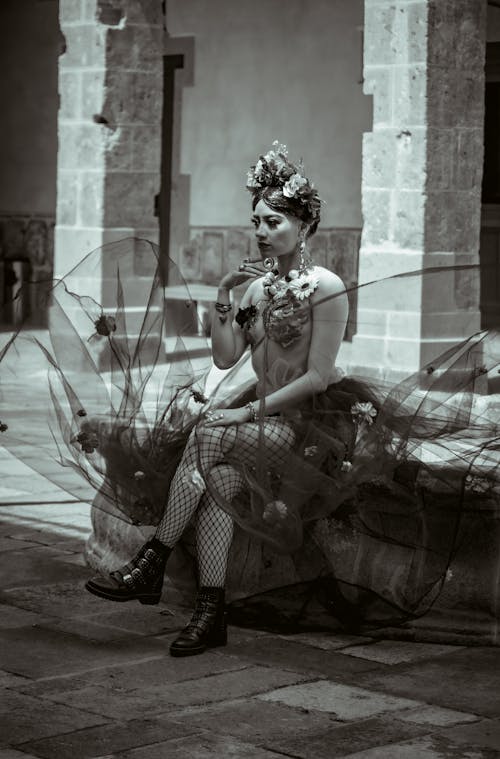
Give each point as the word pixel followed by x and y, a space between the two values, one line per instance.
pixel 303 286
pixel 293 185
pixel 274 511
pixel 364 412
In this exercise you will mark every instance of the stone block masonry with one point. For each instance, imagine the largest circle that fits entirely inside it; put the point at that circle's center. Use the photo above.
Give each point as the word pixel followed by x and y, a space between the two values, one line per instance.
pixel 110 86
pixel 422 171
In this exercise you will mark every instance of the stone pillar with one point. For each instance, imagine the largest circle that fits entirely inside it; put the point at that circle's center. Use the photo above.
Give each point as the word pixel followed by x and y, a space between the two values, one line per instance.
pixel 422 170
pixel 111 86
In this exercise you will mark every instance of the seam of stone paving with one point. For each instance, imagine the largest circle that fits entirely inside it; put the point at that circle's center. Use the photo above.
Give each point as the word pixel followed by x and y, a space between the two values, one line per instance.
pixel 31 744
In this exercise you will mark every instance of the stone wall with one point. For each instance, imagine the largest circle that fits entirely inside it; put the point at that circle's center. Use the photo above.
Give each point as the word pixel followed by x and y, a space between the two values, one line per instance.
pixel 422 169
pixel 110 84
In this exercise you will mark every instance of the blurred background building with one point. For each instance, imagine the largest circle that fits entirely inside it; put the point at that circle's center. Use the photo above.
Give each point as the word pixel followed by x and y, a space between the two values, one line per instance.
pixel 140 118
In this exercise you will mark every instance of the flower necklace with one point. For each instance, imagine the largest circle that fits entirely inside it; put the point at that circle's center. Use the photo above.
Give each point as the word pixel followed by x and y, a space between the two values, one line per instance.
pixel 283 316
pixel 299 284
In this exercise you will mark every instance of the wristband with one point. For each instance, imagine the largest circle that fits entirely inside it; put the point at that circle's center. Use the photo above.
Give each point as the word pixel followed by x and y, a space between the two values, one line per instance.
pixel 223 308
pixel 252 410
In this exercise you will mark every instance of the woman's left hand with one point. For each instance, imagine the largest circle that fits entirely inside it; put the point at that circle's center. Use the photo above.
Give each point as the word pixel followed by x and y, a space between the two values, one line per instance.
pixel 224 417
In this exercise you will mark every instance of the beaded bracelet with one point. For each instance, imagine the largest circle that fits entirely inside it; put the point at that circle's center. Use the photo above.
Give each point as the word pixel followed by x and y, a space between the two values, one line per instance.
pixel 253 411
pixel 223 308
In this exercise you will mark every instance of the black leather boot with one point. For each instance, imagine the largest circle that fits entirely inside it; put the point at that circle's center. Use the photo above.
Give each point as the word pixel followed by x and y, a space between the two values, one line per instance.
pixel 141 579
pixel 207 627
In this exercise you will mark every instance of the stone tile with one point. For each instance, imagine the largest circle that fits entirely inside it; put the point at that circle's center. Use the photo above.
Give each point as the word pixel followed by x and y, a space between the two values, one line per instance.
pixel 59 599
pixel 24 718
pixel 325 642
pixel 9 544
pixel 485 734
pixel 283 653
pixel 140 697
pixel 108 738
pixel 21 568
pixel 12 753
pixel 198 747
pixel 53 653
pixel 11 616
pixel 128 676
pixel 427 747
pixel 135 618
pixel 74 558
pixel 345 739
pixel 436 715
pixel 257 721
pixel 469 677
pixel 87 629
pixel 398 651
pixel 8 680
pixel 346 702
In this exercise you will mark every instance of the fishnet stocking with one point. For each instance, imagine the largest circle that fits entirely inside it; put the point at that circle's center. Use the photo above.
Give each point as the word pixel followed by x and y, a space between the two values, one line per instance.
pixel 214 527
pixel 207 447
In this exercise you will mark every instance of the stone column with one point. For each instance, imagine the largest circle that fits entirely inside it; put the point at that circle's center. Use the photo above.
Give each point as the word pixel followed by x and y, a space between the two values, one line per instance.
pixel 110 85
pixel 422 170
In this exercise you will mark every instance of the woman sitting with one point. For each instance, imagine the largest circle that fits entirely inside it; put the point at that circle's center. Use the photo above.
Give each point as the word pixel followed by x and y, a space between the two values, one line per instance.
pixel 292 317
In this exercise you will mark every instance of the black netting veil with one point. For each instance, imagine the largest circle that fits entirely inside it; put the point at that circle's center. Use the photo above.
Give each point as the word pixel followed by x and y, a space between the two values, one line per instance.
pixel 367 491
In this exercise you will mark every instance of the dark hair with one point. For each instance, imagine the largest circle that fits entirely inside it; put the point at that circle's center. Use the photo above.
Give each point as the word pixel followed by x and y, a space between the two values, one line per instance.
pixel 308 212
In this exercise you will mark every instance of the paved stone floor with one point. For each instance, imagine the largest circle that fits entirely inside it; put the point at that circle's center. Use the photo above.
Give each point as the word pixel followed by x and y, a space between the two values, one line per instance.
pixel 84 678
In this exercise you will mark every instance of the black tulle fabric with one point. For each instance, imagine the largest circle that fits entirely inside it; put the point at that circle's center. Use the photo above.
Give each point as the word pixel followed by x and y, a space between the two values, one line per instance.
pixel 366 515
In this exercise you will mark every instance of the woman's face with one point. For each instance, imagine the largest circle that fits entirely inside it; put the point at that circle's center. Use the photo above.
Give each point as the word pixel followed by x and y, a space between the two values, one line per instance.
pixel 277 233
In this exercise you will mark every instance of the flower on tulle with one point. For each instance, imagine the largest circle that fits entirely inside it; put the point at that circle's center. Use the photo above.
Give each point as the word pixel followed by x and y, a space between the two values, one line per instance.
pixel 363 412
pixel 292 187
pixel 482 369
pixel 274 512
pixel 3 427
pixel 105 325
pixel 139 475
pixel 195 480
pixel 198 396
pixel 476 484
pixel 346 466
pixel 303 285
pixel 430 370
pixel 310 450
pixel 81 412
pixel 88 440
pixel 246 316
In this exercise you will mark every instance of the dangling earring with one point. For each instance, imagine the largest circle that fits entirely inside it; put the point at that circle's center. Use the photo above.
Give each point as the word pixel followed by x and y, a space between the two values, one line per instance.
pixel 305 260
pixel 269 263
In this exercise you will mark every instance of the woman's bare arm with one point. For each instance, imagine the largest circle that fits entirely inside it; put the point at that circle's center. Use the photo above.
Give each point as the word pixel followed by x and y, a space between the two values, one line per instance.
pixel 228 339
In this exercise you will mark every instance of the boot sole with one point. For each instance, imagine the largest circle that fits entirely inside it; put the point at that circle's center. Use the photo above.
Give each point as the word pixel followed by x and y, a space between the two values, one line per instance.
pixel 150 599
pixel 178 652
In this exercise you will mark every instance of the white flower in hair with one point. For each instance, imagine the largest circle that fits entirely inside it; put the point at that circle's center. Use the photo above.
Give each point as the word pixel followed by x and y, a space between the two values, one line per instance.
pixel 294 185
pixel 277 150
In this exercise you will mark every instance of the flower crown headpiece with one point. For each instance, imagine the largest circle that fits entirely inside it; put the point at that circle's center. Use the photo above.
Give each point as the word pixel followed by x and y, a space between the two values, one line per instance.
pixel 274 169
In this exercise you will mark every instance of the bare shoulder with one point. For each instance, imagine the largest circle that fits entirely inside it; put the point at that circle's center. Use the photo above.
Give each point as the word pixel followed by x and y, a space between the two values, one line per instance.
pixel 329 283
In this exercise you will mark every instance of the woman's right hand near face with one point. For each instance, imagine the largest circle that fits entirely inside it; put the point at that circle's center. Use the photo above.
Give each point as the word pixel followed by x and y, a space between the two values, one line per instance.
pixel 245 273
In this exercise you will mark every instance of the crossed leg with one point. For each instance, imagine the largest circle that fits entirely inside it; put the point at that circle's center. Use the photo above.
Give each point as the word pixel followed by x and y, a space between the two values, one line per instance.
pixel 206 452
